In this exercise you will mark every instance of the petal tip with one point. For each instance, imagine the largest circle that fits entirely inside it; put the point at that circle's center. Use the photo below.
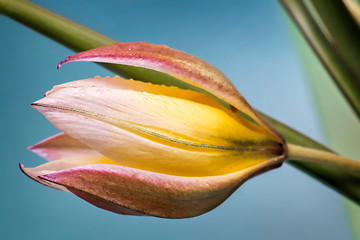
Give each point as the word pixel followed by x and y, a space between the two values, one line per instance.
pixel 61 63
pixel 65 61
pixel 25 171
pixel 21 166
pixel 31 148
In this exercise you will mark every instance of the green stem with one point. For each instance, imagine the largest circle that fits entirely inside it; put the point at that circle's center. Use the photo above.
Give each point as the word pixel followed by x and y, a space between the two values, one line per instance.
pixel 54 26
pixel 299 153
pixel 340 180
pixel 66 32
pixel 80 38
pixel 334 37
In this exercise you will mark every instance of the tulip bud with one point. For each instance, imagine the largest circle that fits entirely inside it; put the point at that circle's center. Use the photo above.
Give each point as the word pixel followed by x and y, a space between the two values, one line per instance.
pixel 144 149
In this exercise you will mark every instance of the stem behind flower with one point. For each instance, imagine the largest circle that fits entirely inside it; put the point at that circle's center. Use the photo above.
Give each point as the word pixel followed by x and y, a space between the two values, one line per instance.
pixel 299 153
pixel 56 27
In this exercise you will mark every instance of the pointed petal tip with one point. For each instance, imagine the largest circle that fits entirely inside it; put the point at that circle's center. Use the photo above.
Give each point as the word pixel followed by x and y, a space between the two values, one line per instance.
pixel 39 151
pixel 35 106
pixel 72 58
pixel 38 105
pixel 60 146
pixel 25 171
pixel 62 62
pixel 35 146
pixel 21 166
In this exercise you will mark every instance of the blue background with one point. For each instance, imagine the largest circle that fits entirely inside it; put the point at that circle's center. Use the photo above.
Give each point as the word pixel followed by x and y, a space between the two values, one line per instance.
pixel 248 40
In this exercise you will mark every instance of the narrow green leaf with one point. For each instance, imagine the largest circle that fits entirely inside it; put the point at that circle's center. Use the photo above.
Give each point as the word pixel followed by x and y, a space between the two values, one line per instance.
pixel 334 36
pixel 339 122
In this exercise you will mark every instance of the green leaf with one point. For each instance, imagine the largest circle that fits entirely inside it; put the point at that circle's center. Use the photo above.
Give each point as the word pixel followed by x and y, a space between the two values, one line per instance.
pixel 335 37
pixel 339 122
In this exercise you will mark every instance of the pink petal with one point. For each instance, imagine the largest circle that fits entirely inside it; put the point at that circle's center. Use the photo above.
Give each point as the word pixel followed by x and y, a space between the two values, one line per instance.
pixel 117 188
pixel 61 146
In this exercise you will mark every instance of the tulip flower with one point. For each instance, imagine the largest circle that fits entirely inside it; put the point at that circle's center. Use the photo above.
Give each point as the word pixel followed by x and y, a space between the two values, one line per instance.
pixel 144 149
